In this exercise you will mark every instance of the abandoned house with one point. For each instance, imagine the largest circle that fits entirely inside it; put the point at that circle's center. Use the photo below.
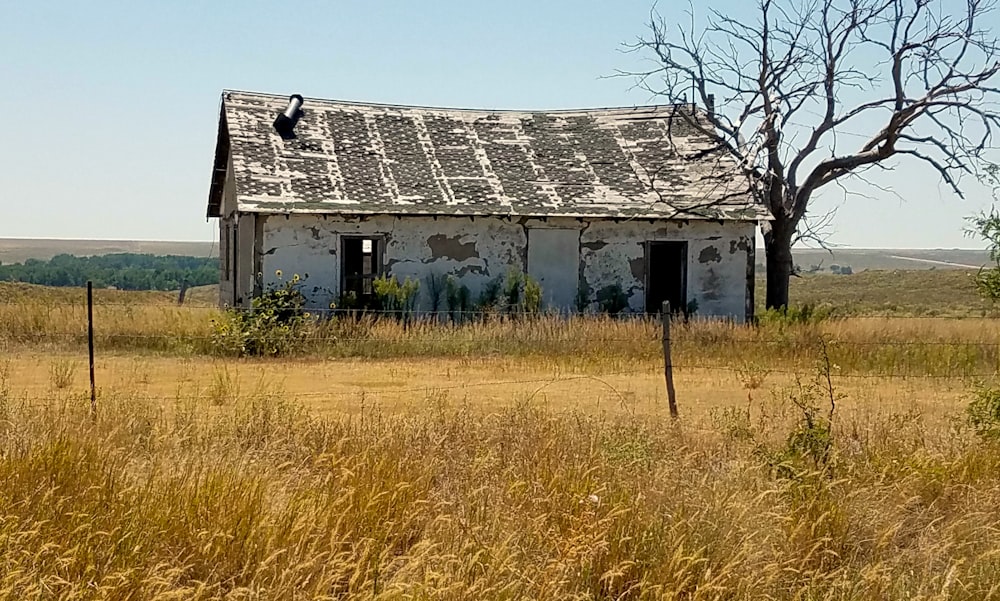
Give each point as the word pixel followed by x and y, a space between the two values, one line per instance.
pixel 590 203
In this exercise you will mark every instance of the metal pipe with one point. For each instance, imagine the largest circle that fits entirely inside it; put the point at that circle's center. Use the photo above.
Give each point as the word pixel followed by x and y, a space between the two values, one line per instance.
pixel 294 104
pixel 285 123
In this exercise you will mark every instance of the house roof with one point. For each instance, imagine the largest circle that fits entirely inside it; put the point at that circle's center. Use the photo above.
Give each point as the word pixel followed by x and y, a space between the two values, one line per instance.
pixel 355 158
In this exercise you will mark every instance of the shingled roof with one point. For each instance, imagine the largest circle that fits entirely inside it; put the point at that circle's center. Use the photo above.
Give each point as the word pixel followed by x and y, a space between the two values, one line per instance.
pixel 354 158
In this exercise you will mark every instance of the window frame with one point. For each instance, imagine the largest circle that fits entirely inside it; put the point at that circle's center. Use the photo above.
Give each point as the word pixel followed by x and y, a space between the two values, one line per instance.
pixel 377 267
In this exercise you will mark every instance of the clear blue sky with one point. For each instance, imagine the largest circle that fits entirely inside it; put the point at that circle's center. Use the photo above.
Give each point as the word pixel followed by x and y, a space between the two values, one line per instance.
pixel 109 108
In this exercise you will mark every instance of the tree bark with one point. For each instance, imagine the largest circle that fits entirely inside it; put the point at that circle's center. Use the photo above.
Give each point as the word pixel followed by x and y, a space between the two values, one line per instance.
pixel 778 251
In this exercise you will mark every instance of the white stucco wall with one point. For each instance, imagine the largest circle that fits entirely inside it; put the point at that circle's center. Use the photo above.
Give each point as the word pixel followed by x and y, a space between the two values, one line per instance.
pixel 717 260
pixel 476 250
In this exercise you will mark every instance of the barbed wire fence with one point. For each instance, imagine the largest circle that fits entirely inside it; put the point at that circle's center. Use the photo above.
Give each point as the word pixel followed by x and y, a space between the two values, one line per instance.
pixel 955 359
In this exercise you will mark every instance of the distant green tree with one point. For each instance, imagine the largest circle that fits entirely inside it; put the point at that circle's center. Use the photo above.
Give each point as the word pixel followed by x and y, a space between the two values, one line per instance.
pixel 127 271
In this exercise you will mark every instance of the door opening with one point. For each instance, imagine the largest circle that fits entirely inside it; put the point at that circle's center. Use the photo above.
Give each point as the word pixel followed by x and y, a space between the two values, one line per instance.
pixel 360 266
pixel 666 276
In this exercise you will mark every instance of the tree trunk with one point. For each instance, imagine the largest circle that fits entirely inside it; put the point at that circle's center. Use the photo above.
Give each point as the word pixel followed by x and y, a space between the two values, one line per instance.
pixel 778 253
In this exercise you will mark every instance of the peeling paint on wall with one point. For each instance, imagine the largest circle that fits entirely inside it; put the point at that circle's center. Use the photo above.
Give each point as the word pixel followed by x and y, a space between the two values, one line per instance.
pixel 622 243
pixel 477 251
pixel 709 254
pixel 712 286
pixel 445 247
pixel 594 245
pixel 638 268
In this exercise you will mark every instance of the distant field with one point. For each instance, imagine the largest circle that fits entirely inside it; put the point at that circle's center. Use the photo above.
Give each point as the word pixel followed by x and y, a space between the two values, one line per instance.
pixel 860 259
pixel 17 250
pixel 945 292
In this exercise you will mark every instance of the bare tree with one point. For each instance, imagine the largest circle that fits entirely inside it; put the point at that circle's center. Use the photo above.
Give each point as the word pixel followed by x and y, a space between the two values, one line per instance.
pixel 793 87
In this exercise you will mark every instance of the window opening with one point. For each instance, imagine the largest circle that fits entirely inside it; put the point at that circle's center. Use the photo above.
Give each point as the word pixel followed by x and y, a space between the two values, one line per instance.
pixel 360 266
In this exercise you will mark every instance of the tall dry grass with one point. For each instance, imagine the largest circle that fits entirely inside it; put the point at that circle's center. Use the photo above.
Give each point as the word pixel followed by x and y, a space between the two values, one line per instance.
pixel 942 347
pixel 259 500
pixel 240 494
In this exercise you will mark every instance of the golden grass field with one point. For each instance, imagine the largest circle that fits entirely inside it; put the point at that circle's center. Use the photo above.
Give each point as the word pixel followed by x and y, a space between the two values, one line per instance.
pixel 526 459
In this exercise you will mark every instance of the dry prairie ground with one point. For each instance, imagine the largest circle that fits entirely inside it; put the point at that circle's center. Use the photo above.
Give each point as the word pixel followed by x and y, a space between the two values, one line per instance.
pixel 347 386
pixel 943 292
pixel 526 459
pixel 484 493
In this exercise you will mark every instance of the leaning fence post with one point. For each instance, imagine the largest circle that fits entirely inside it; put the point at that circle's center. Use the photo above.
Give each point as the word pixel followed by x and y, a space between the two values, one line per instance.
pixel 90 347
pixel 668 367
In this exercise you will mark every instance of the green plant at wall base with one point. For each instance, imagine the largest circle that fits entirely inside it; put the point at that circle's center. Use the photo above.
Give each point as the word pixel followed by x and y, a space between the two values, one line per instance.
pixel 393 296
pixel 272 326
pixel 612 299
pixel 437 286
pixel 490 296
pixel 582 300
pixel 458 297
pixel 451 295
pixel 464 298
pixel 348 301
pixel 532 302
pixel 512 289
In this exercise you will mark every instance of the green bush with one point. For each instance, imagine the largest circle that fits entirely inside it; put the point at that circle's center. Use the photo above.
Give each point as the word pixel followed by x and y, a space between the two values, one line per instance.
pixel 582 300
pixel 532 301
pixel 523 292
pixel 612 299
pixel 986 226
pixel 458 298
pixel 491 295
pixel 271 327
pixel 512 289
pixel 983 412
pixel 796 315
pixel 437 286
pixel 393 296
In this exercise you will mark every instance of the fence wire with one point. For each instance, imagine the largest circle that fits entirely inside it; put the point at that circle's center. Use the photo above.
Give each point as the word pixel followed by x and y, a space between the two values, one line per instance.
pixel 732 349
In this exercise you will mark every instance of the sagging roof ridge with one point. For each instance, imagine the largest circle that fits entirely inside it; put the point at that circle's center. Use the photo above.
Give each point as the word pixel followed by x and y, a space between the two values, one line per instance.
pixel 620 109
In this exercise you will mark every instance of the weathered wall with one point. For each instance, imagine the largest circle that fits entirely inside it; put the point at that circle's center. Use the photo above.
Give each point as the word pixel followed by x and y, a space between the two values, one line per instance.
pixel 228 238
pixel 472 250
pixel 244 276
pixel 554 262
pixel 478 249
pixel 716 260
pixel 226 256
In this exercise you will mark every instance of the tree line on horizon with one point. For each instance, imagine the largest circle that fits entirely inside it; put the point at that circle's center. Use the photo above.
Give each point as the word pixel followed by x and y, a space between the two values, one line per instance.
pixel 125 271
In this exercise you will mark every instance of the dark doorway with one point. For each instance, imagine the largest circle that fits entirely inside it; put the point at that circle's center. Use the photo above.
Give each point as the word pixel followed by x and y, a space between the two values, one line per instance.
pixel 360 266
pixel 666 276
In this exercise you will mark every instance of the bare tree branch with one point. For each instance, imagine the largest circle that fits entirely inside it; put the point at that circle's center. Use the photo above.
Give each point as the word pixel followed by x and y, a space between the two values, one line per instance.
pixel 795 84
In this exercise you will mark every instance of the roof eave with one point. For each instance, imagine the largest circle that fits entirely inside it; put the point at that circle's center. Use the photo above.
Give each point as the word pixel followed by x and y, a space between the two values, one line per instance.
pixel 754 214
pixel 219 167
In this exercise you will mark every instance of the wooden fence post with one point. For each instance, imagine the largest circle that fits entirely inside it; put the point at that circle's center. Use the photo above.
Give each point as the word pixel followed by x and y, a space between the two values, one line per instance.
pixel 668 367
pixel 90 348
